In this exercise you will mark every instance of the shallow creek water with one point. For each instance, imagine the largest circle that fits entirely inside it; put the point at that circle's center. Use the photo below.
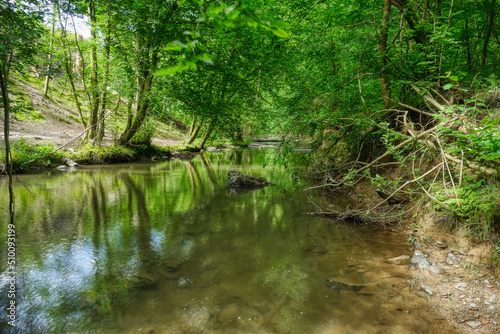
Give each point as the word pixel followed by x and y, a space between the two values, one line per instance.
pixel 166 248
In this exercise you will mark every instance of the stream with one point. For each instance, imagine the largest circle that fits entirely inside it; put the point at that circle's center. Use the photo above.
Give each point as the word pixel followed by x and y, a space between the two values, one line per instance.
pixel 165 247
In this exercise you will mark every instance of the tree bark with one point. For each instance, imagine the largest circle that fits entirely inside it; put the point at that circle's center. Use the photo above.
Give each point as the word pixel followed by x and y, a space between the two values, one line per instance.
pixel 207 134
pixel 52 32
pixel 94 101
pixel 420 36
pixel 491 20
pixel 107 47
pixel 193 132
pixel 142 108
pixel 382 47
pixel 69 73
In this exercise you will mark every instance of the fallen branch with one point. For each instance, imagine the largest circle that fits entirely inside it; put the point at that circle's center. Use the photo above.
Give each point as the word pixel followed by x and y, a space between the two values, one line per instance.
pixel 370 216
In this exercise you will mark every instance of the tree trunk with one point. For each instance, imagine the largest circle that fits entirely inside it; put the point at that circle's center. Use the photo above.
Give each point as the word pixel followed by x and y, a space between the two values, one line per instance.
pixel 69 73
pixel 6 127
pixel 52 32
pixel 207 134
pixel 467 44
pixel 94 94
pixel 491 20
pixel 142 108
pixel 420 36
pixel 193 132
pixel 382 47
pixel 107 47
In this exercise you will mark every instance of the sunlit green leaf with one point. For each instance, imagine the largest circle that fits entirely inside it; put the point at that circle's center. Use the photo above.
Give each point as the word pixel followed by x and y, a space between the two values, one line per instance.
pixel 279 32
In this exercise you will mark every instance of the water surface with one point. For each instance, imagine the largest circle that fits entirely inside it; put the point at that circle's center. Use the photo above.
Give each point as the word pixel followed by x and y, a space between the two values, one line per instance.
pixel 167 248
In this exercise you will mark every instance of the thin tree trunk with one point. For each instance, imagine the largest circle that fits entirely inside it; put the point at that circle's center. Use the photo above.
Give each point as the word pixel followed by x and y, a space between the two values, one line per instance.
pixel 420 35
pixel 142 108
pixel 6 127
pixel 207 134
pixel 444 37
pixel 382 47
pixel 467 44
pixel 107 47
pixel 491 20
pixel 94 101
pixel 194 133
pixel 193 123
pixel 52 32
pixel 67 66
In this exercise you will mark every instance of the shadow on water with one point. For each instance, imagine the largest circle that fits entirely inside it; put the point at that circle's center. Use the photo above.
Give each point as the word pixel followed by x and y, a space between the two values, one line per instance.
pixel 166 248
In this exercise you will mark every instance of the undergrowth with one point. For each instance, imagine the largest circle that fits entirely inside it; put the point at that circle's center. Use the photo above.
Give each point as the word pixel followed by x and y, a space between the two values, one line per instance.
pixel 22 152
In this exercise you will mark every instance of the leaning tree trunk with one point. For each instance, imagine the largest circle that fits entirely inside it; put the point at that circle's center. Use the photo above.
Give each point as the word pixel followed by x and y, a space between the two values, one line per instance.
pixel 193 131
pixel 207 134
pixel 142 108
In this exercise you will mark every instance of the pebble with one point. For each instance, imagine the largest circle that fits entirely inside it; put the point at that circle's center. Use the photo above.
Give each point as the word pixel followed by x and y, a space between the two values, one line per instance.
pixel 474 324
pixel 461 286
pixel 452 259
pixel 435 270
pixel 427 289
pixel 493 299
pixel 473 305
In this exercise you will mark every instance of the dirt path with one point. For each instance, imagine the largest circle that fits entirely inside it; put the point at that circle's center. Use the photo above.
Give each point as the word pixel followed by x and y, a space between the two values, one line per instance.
pixel 57 124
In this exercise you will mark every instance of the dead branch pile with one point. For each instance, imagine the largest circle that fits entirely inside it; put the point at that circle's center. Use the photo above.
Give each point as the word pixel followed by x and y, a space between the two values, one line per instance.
pixel 421 139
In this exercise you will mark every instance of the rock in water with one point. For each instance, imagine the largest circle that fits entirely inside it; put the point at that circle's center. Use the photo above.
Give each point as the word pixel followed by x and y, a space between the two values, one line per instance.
pixel 339 286
pixel 68 162
pixel 420 261
pixel 238 180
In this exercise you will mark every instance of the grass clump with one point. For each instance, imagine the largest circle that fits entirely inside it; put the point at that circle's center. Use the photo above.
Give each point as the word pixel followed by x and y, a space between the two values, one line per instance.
pixel 22 152
pixel 103 154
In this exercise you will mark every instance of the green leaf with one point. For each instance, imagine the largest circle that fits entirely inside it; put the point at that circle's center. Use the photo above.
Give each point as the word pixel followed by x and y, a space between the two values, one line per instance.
pixel 166 71
pixel 233 14
pixel 279 32
pixel 448 86
pixel 492 156
pixel 206 58
pixel 280 24
pixel 252 23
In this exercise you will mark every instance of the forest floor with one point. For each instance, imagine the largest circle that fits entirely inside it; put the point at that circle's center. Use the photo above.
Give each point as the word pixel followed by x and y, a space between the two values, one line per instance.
pixel 54 120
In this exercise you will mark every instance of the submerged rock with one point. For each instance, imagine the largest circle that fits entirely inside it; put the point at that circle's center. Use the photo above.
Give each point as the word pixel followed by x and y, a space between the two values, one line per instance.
pixel 68 162
pixel 420 261
pixel 239 180
pixel 400 260
pixel 184 155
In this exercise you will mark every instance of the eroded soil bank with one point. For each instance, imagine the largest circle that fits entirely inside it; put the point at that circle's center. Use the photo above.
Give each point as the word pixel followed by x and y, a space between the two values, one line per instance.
pixel 456 277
